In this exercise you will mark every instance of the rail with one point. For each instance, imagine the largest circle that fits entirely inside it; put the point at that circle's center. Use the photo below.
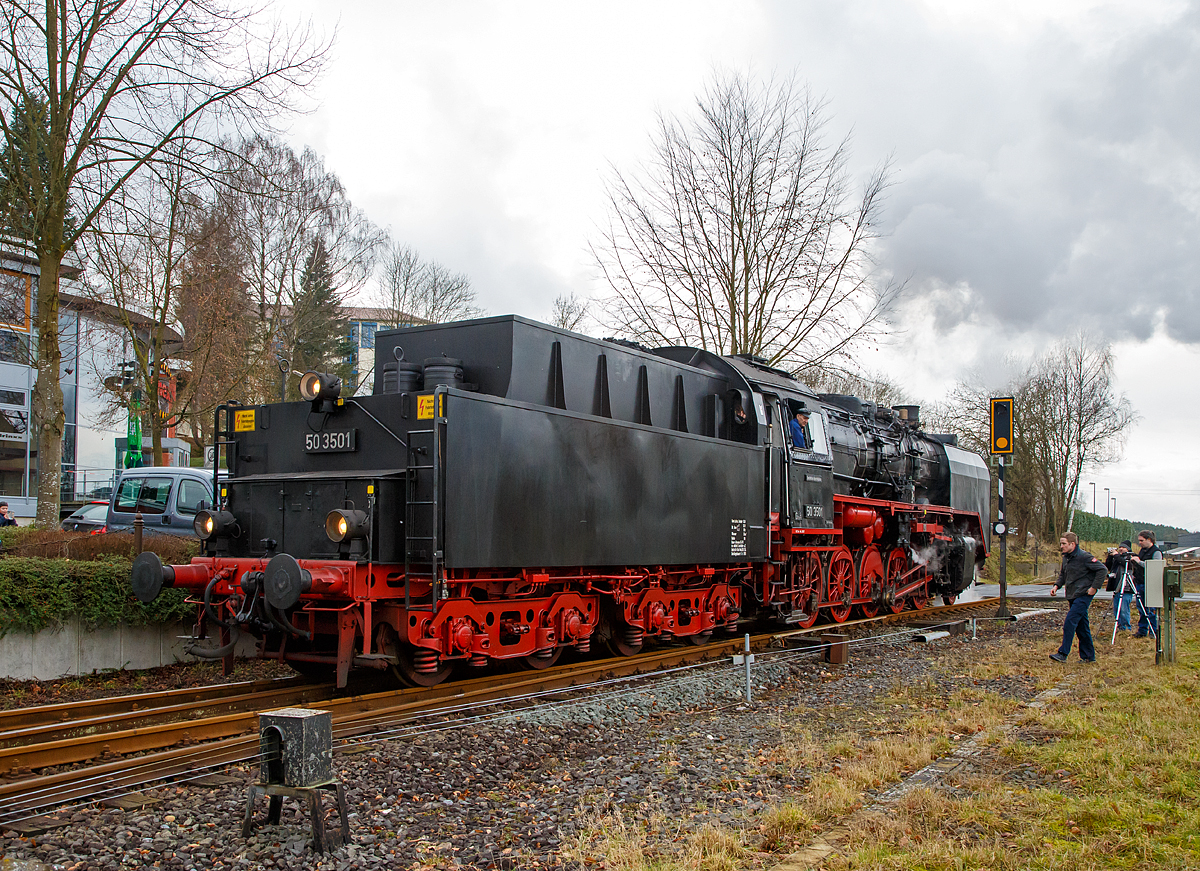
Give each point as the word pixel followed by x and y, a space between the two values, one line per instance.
pixel 172 749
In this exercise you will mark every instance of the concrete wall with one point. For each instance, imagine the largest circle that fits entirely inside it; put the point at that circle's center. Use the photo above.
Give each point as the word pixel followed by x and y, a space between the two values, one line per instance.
pixel 72 650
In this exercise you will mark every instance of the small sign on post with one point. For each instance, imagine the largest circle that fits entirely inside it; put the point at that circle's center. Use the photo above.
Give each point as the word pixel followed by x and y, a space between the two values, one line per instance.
pixel 746 659
pixel 1001 441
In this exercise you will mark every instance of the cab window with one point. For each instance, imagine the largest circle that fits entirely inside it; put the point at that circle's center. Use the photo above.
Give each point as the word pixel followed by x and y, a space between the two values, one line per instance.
pixel 815 438
pixel 816 429
pixel 147 495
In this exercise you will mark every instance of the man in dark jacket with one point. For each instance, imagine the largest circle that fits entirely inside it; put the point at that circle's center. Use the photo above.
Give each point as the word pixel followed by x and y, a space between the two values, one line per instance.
pixel 1080 577
pixel 1148 618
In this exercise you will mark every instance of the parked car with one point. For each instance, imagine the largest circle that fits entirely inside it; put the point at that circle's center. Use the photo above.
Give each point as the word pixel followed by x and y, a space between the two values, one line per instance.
pixel 89 518
pixel 167 496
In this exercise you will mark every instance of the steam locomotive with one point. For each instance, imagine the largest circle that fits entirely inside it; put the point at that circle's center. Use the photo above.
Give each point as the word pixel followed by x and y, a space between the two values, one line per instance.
pixel 523 490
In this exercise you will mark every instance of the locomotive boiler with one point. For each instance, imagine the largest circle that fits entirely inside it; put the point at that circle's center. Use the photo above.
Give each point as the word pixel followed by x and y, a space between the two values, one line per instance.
pixel 511 490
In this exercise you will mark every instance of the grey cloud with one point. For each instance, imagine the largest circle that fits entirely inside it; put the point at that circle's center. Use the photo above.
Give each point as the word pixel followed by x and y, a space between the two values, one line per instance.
pixel 1083 212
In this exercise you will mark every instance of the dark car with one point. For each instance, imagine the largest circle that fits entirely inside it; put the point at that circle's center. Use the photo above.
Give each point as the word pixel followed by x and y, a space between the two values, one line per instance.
pixel 167 497
pixel 90 518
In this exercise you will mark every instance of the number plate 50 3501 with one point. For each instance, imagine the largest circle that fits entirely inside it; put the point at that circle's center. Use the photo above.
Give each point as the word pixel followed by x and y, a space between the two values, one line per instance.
pixel 331 441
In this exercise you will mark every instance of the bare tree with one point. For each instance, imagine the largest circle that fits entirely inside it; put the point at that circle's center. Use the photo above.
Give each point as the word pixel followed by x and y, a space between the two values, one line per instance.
pixel 137 247
pixel 215 315
pixel 285 204
pixel 1067 418
pixel 118 81
pixel 743 235
pixel 1073 420
pixel 872 386
pixel 415 290
pixel 570 312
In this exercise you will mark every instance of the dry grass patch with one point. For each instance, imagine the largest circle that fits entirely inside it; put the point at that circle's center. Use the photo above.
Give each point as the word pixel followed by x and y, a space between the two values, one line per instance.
pixel 1120 779
pixel 1105 777
pixel 653 841
pixel 785 828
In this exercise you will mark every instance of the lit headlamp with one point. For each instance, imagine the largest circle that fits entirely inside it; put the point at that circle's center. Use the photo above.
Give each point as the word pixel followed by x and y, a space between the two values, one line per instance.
pixel 320 386
pixel 344 525
pixel 211 524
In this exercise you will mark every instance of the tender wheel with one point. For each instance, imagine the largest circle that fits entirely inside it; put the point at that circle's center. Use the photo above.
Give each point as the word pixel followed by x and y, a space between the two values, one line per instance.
pixel 949 600
pixel 841 582
pixel 419 667
pixel 626 640
pixel 870 576
pixel 537 661
pixel 700 638
pixel 414 667
pixel 897 565
pixel 808 584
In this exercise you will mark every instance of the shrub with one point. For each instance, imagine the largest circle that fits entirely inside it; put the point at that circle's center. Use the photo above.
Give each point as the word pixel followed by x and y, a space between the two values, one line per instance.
pixel 29 541
pixel 36 593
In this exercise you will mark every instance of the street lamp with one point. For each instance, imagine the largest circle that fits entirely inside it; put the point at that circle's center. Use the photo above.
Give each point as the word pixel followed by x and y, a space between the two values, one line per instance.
pixel 1106 503
pixel 1114 506
pixel 1093 483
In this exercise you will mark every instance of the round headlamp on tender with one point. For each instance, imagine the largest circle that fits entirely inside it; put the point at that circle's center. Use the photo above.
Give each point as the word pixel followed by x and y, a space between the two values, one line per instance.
pixel 320 386
pixel 211 524
pixel 346 524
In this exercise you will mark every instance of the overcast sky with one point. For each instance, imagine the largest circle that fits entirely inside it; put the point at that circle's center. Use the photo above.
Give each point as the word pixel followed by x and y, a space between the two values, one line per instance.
pixel 1046 165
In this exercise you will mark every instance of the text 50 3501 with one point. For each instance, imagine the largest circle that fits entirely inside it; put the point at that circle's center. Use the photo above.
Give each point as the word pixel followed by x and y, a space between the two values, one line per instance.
pixel 330 441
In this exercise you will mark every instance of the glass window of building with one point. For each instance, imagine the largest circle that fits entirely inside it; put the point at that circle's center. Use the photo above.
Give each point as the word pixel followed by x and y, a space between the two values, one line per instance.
pixel 14 437
pixel 15 299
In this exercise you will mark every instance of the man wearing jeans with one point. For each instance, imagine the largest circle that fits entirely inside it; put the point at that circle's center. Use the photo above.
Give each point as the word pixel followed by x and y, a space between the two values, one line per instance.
pixel 1148 619
pixel 1080 579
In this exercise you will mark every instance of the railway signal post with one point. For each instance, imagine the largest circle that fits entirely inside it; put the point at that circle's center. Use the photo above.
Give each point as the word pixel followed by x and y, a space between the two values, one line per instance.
pixel 1001 420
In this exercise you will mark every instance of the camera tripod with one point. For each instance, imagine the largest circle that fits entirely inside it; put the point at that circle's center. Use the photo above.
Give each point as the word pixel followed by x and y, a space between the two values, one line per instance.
pixel 1119 594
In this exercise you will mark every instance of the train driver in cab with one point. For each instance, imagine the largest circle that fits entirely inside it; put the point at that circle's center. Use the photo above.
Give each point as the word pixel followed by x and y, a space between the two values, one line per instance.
pixel 799 427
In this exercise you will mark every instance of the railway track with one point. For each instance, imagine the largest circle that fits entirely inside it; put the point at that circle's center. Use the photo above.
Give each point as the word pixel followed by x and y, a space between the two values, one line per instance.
pixel 182 734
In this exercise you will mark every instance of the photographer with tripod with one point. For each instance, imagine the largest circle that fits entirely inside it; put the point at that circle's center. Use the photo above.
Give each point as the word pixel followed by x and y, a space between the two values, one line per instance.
pixel 1148 622
pixel 1122 578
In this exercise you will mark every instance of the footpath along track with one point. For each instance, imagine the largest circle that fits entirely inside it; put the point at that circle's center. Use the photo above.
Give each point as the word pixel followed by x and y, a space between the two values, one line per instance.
pixel 232 738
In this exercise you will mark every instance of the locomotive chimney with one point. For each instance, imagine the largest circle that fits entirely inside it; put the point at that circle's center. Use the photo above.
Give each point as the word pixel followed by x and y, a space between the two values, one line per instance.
pixel 910 414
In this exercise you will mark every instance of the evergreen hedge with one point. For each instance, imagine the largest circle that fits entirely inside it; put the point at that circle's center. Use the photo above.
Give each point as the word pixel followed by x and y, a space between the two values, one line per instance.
pixel 37 593
pixel 1093 527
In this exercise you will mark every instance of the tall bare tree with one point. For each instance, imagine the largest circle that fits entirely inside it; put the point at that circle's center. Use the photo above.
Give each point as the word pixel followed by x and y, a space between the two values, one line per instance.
pixel 286 203
pixel 118 80
pixel 1073 420
pixel 136 253
pixel 1067 418
pixel 216 317
pixel 743 235
pixel 415 290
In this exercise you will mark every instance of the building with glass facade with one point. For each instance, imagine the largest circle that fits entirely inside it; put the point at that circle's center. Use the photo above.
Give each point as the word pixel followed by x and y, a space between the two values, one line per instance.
pixel 18 355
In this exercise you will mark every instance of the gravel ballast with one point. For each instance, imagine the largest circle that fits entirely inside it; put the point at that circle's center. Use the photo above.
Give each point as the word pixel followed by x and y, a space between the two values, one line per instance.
pixel 515 788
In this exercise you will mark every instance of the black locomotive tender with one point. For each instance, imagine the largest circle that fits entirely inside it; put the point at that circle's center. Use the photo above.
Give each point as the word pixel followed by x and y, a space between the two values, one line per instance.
pixel 524 489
